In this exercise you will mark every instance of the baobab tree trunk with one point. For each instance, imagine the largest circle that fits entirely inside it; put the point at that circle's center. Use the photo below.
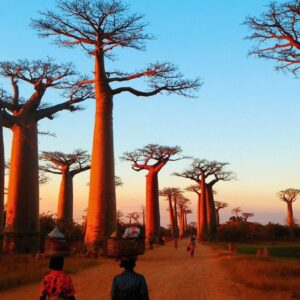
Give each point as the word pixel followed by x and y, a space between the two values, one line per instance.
pixel 21 234
pixel 217 218
pixel 175 218
pixel 152 207
pixel 181 222
pixel 202 232
pixel 211 213
pixel 2 176
pixel 185 222
pixel 65 200
pixel 101 218
pixel 290 219
pixel 171 214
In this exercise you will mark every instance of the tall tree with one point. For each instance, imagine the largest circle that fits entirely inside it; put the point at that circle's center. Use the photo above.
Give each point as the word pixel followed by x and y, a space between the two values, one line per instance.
pixel 66 165
pixel 219 205
pixel 236 211
pixel 152 158
pixel 198 172
pixel 99 27
pixel 218 174
pixel 277 34
pixel 22 218
pixel 289 196
pixel 183 204
pixel 169 193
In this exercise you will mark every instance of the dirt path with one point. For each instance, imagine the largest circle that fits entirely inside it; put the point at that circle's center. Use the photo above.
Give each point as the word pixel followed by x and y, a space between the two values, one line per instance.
pixel 171 275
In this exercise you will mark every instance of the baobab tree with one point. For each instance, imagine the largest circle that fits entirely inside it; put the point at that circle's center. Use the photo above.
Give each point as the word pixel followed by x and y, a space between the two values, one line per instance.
pixel 142 213
pixel 22 218
pixel 277 34
pixel 247 215
pixel 133 216
pixel 169 193
pixel 289 196
pixel 219 205
pixel 218 174
pixel 66 165
pixel 152 158
pixel 182 204
pixel 198 172
pixel 99 27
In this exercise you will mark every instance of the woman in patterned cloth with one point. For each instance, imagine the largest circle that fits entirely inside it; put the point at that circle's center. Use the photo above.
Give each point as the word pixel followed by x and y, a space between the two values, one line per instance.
pixel 57 284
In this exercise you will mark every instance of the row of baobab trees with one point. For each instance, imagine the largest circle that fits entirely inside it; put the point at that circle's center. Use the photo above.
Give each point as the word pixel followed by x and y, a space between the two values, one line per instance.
pixel 98 27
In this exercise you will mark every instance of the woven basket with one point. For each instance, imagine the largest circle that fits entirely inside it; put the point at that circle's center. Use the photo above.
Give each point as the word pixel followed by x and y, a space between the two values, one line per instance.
pixel 117 247
pixel 55 247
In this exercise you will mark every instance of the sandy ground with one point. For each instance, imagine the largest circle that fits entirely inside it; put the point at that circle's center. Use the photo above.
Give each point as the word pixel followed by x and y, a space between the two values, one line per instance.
pixel 171 274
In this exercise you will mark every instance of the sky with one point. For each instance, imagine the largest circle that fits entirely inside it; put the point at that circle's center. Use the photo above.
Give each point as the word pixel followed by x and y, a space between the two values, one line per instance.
pixel 245 113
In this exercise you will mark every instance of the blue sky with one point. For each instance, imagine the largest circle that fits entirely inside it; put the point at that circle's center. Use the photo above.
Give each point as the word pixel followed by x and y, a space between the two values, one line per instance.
pixel 246 113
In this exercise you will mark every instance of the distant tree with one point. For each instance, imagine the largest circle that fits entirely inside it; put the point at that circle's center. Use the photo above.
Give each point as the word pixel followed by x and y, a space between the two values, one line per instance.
pixel 143 214
pixel 99 27
pixel 169 193
pixel 152 158
pixel 236 211
pixel 67 165
pixel 247 215
pixel 289 196
pixel 219 205
pixel 22 117
pixel 277 33
pixel 198 172
pixel 183 205
pixel 133 216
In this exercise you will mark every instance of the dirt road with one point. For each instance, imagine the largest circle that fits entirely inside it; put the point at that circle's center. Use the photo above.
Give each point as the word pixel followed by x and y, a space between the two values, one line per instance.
pixel 171 275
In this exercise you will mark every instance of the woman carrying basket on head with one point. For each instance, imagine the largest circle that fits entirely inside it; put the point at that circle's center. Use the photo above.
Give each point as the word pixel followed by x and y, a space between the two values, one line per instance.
pixel 57 284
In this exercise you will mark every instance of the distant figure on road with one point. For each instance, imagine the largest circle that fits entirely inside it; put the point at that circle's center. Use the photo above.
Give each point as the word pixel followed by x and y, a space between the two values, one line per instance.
pixel 129 285
pixel 191 246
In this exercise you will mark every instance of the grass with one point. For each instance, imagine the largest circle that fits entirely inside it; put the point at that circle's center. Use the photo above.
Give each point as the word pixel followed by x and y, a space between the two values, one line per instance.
pixel 23 269
pixel 281 271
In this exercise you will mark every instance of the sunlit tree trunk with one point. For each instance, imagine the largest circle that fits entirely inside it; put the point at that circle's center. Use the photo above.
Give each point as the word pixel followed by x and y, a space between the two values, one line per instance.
pixel 198 214
pixel 211 213
pixel 101 218
pixel 175 217
pixel 171 214
pixel 21 232
pixel 65 200
pixel 152 206
pixel 185 222
pixel 181 222
pixel 202 233
pixel 2 176
pixel 290 219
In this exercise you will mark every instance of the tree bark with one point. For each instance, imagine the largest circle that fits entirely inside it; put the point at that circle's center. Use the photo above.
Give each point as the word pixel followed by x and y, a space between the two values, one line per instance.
pixel 217 217
pixel 202 233
pixel 2 176
pixel 65 200
pixel 171 214
pixel 152 207
pixel 181 223
pixel 290 220
pixel 101 218
pixel 175 218
pixel 211 213
pixel 21 234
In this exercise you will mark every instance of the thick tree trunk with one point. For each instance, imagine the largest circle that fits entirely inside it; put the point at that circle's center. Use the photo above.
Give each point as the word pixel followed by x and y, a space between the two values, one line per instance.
pixel 152 207
pixel 2 176
pixel 198 214
pixel 290 219
pixel 211 213
pixel 202 233
pixel 217 217
pixel 65 200
pixel 21 234
pixel 171 215
pixel 175 218
pixel 185 222
pixel 181 223
pixel 101 218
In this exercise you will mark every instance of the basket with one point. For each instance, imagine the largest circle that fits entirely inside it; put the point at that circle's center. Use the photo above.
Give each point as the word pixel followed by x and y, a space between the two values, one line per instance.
pixel 118 247
pixel 56 247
